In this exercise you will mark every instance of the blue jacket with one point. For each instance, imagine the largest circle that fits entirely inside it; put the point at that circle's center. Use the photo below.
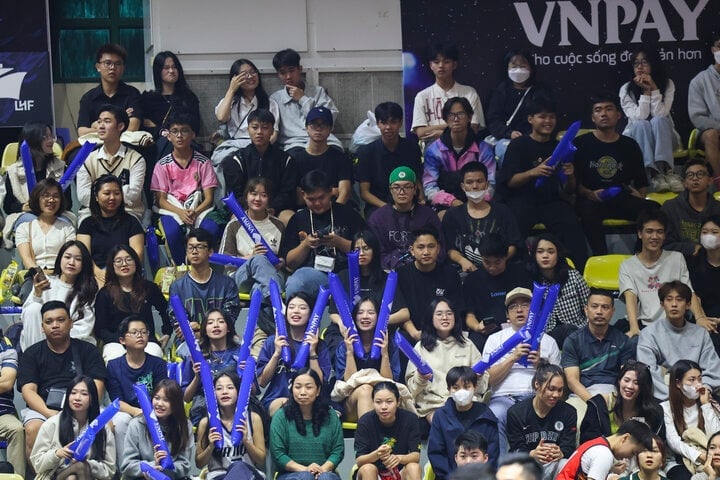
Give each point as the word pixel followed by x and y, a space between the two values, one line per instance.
pixel 446 427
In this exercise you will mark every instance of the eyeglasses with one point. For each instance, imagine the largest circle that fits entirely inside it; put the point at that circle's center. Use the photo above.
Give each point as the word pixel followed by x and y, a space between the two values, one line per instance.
pixel 250 73
pixel 119 262
pixel 693 175
pixel 196 248
pixel 180 132
pixel 457 115
pixel 138 333
pixel 318 125
pixel 640 63
pixel 50 196
pixel 519 305
pixel 110 64
pixel 402 188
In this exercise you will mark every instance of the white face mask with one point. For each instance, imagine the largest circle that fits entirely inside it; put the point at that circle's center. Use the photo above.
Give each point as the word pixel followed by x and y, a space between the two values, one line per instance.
pixel 690 392
pixel 717 56
pixel 478 196
pixel 708 241
pixel 462 397
pixel 519 74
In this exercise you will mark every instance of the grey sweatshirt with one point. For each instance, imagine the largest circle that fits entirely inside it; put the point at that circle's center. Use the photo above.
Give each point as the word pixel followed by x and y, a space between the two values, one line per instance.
pixel 139 447
pixel 660 345
pixel 703 100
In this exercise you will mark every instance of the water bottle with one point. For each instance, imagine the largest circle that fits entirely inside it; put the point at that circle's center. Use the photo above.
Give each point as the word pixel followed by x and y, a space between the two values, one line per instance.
pixel 6 281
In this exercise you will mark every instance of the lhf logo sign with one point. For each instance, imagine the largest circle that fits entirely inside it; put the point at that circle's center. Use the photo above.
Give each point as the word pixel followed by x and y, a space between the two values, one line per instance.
pixel 10 86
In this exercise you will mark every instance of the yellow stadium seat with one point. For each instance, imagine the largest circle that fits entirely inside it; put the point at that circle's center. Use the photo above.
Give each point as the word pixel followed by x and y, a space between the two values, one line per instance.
pixel 603 271
pixel 661 197
pixel 429 474
pixel 10 154
pixel 349 426
pixel 693 150
pixel 716 195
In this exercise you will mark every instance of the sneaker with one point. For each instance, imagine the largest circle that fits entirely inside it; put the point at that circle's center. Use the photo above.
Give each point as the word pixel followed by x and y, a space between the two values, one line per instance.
pixel 674 182
pixel 659 184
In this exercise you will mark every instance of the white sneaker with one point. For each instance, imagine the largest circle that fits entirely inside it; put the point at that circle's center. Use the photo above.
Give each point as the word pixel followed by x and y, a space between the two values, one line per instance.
pixel 674 182
pixel 659 183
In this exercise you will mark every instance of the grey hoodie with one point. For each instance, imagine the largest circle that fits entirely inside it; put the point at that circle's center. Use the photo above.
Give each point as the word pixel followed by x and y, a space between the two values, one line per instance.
pixel 684 222
pixel 704 100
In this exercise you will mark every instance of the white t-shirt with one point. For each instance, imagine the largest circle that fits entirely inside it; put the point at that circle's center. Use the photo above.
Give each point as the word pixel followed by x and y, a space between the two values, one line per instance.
pixel 45 246
pixel 519 379
pixel 646 281
pixel 596 462
pixel 429 102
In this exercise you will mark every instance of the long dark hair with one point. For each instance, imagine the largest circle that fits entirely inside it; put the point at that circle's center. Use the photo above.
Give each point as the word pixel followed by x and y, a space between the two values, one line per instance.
pixel 645 405
pixel 260 93
pixel 85 286
pixel 377 275
pixel 320 410
pixel 676 397
pixel 205 340
pixel 140 289
pixel 34 134
pixel 561 270
pixel 181 85
pixel 657 70
pixel 65 429
pixel 307 299
pixel 175 429
pixel 429 336
pixel 95 210
pixel 700 263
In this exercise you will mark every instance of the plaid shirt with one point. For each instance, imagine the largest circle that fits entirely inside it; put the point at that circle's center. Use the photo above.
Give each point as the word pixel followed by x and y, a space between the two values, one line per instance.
pixel 569 306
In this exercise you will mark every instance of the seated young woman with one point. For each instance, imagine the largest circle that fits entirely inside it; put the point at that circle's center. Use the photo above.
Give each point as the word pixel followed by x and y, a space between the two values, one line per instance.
pixel 127 292
pixel 73 283
pixel 272 371
pixel 244 461
pixel 347 364
pixel 387 438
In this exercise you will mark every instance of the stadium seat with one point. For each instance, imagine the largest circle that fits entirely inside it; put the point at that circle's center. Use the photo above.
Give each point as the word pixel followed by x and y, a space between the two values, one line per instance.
pixel 603 271
pixel 429 474
pixel 693 150
pixel 661 197
pixel 10 154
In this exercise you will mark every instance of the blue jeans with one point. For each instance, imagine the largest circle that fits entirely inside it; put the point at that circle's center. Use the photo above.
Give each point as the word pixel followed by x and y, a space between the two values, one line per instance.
pixel 257 273
pixel 655 137
pixel 308 476
pixel 499 405
pixel 305 279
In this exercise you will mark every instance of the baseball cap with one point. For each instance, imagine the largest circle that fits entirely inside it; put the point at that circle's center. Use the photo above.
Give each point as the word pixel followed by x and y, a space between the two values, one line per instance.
pixel 319 113
pixel 402 174
pixel 516 293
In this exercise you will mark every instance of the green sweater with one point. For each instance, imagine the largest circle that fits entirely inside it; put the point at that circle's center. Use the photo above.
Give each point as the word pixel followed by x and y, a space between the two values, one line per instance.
pixel 287 444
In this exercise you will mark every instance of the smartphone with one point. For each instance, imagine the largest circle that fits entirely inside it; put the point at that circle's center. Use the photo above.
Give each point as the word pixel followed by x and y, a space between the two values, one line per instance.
pixel 39 276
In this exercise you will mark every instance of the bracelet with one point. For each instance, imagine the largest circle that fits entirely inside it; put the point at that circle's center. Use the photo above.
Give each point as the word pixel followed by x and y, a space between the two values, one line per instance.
pixel 313 357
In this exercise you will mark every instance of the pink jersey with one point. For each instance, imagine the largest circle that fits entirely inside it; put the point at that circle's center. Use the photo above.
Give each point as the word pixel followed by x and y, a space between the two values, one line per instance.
pixel 171 178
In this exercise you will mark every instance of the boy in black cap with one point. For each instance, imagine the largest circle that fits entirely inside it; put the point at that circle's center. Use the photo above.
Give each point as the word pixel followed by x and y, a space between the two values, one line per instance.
pixel 318 155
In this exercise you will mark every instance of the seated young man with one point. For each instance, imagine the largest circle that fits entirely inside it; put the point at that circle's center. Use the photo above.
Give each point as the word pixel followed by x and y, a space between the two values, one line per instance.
pixel 318 237
pixel 263 159
pixel 10 427
pixel 594 459
pixel 687 212
pixel 184 183
pixel 460 414
pixel 115 158
pixel 202 290
pixel 110 64
pixel 428 123
pixel 425 279
pixel 470 447
pixel 295 100
pixel 394 222
pixel 607 159
pixel 525 164
pixel 318 155
pixel 485 289
pixel 378 159
pixel 134 367
pixel 642 275
pixel 704 109
pixel 672 338
pixel 466 225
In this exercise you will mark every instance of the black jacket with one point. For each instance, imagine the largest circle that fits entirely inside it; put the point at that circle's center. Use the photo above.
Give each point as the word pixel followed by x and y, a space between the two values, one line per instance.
pixel 597 420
